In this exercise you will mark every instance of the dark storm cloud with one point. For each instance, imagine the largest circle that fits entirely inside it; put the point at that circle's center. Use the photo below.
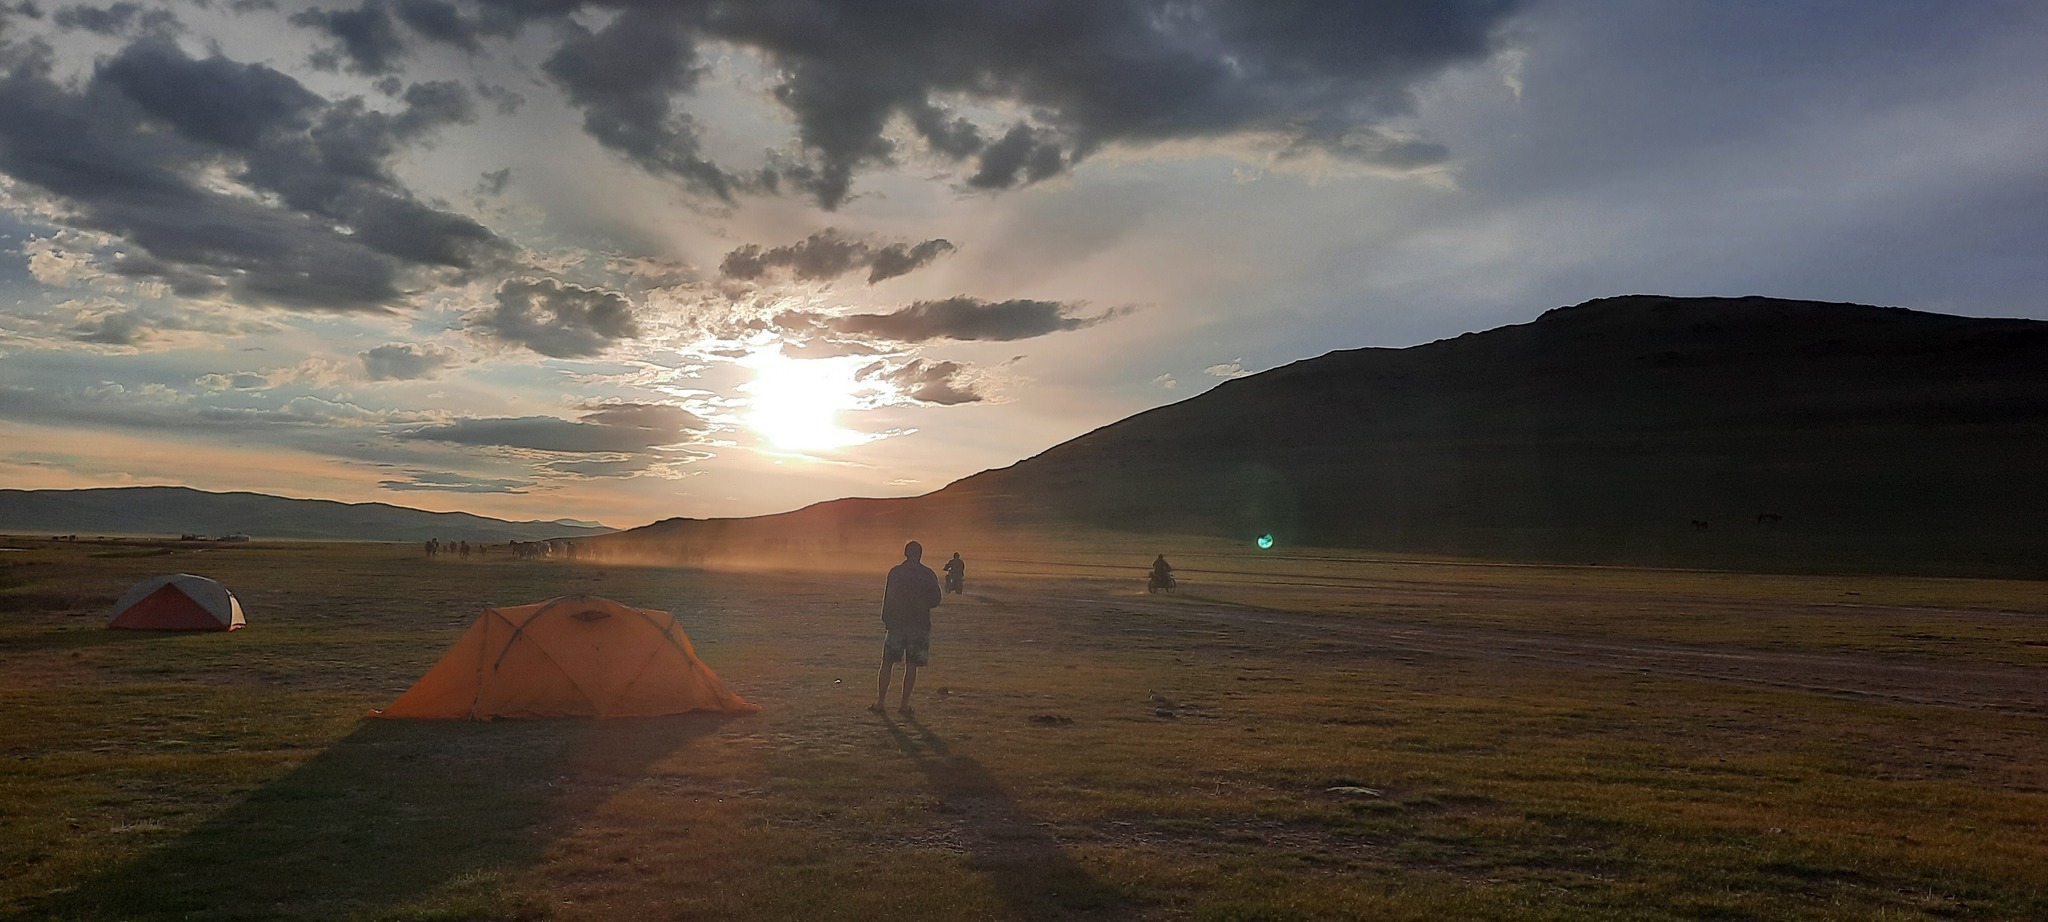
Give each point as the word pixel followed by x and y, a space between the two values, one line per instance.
pixel 1025 154
pixel 441 21
pixel 557 319
pixel 116 19
pixel 823 255
pixel 448 482
pixel 947 134
pixel 959 318
pixel 213 101
pixel 926 382
pixel 492 184
pixel 367 36
pixel 610 429
pixel 625 77
pixel 331 228
pixel 430 105
pixel 903 258
pixel 405 361
pixel 183 282
pixel 831 253
pixel 507 100
pixel 104 20
pixel 1312 74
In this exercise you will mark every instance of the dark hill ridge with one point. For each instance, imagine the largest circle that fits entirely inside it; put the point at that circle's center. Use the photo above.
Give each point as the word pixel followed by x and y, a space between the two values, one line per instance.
pixel 1596 432
pixel 181 510
pixel 1884 438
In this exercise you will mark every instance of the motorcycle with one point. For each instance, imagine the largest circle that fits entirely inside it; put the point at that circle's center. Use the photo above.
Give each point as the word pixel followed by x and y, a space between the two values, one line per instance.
pixel 1159 582
pixel 954 582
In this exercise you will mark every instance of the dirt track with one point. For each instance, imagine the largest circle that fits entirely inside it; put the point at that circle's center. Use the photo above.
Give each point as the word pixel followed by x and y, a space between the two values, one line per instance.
pixel 2013 689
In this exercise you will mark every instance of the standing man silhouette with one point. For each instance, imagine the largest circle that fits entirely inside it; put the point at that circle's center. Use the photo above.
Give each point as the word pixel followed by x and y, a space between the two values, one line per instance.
pixel 907 602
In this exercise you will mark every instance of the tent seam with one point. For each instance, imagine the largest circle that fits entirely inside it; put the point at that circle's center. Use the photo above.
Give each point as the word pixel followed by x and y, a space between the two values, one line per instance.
pixel 521 627
pixel 673 623
pixel 483 644
pixel 587 696
pixel 550 657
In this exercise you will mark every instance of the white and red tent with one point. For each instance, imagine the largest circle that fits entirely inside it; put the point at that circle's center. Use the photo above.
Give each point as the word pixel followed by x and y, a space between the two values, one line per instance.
pixel 178 602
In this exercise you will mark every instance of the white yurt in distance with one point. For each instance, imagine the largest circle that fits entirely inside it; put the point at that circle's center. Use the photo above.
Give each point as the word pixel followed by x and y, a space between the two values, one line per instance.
pixel 178 602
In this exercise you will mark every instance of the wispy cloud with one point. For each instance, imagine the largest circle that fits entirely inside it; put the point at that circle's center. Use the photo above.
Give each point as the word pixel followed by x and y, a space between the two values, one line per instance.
pixel 448 482
pixel 960 318
pixel 406 361
pixel 612 428
pixel 831 253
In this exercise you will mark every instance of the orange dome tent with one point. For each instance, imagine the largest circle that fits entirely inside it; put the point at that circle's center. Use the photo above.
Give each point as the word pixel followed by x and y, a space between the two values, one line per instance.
pixel 575 656
pixel 177 602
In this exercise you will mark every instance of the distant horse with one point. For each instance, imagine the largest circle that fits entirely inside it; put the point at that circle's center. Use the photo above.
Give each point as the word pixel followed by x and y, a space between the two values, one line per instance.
pixel 1769 518
pixel 1699 524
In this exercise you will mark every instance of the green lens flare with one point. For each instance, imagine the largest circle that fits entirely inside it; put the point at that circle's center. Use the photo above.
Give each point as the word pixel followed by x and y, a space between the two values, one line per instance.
pixel 1265 542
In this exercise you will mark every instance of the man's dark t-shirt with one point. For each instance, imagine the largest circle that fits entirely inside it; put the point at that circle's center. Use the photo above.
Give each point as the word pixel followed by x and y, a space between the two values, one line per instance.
pixel 909 597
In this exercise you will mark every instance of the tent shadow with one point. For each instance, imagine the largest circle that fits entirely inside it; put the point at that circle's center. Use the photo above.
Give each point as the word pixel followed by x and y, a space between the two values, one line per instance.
pixel 1028 868
pixel 396 812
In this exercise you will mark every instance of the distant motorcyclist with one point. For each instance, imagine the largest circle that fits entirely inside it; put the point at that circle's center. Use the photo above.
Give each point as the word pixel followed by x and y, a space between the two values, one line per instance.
pixel 1162 576
pixel 956 574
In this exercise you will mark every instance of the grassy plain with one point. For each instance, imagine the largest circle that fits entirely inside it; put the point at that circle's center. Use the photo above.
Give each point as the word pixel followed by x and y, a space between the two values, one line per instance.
pixel 1294 735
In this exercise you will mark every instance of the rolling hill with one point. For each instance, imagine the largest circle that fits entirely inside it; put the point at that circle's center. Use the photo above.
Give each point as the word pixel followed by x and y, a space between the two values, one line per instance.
pixel 1720 432
pixel 182 510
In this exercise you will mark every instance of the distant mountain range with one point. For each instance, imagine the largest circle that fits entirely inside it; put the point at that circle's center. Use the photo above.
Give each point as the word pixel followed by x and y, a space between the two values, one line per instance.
pixel 1745 433
pixel 1718 432
pixel 182 510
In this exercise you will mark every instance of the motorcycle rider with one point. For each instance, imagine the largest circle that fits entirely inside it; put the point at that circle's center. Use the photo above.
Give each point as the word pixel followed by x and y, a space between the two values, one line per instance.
pixel 956 574
pixel 1162 574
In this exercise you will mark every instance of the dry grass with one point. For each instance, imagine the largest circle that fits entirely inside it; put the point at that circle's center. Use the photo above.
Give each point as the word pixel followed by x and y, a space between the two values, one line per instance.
pixel 1080 749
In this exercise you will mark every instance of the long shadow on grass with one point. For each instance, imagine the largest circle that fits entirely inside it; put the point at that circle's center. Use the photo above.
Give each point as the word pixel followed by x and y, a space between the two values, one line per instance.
pixel 399 811
pixel 1029 869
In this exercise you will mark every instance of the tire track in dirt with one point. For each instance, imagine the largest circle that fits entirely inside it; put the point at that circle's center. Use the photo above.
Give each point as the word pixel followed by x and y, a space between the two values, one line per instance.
pixel 2007 689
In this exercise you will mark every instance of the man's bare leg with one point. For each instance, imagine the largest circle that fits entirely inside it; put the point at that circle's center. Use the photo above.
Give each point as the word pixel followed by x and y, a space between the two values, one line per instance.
pixel 882 691
pixel 909 682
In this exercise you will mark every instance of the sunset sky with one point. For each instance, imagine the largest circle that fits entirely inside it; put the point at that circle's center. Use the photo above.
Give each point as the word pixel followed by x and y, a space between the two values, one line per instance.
pixel 625 261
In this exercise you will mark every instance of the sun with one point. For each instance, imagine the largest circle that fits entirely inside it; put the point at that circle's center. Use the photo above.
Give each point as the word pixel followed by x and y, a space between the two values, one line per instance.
pixel 795 403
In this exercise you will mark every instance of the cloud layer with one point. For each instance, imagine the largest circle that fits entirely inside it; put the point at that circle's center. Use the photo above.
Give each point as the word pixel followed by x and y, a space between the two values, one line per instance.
pixel 344 247
pixel 315 218
pixel 1012 93
pixel 612 428
pixel 831 253
pixel 556 319
pixel 941 383
pixel 961 318
pixel 405 361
